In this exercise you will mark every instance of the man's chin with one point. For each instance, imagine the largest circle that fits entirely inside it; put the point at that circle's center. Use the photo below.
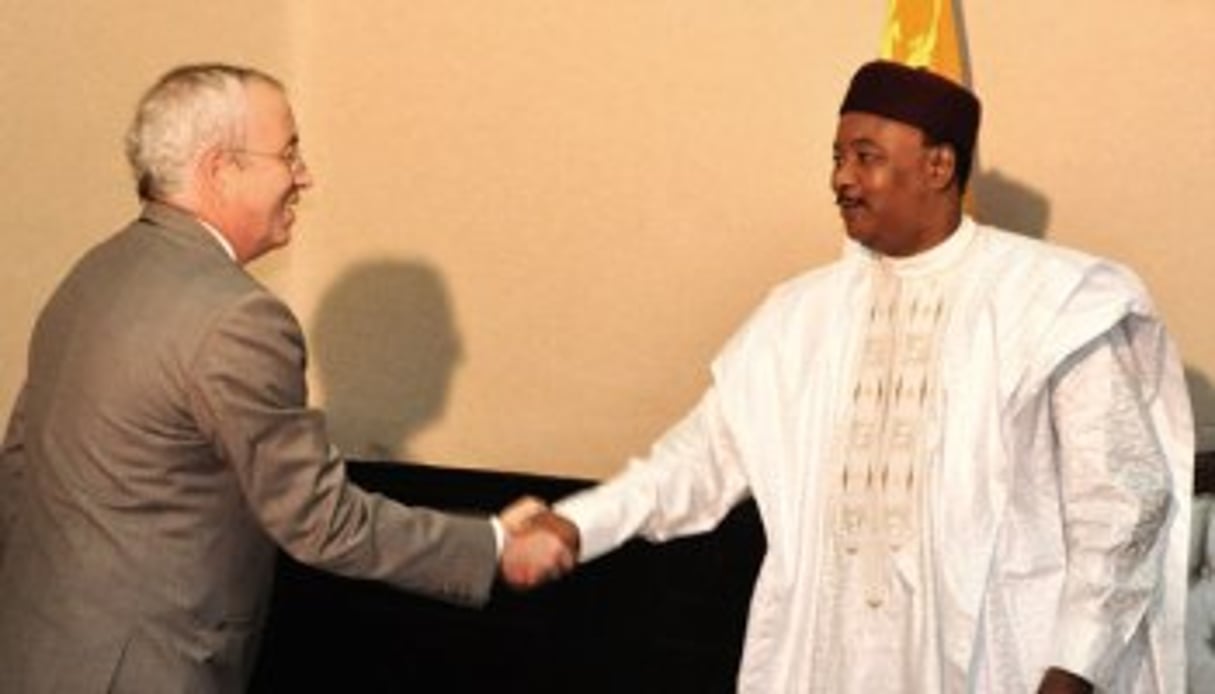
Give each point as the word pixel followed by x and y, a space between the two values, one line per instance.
pixel 858 232
pixel 276 240
pixel 282 235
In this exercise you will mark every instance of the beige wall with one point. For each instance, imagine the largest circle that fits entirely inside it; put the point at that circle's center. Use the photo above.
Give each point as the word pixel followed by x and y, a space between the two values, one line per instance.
pixel 535 222
pixel 70 73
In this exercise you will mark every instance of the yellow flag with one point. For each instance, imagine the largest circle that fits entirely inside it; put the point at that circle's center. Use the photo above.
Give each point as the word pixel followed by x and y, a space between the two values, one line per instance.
pixel 923 33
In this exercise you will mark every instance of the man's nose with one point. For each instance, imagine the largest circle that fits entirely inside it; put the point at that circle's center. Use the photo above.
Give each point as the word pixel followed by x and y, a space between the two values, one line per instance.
pixel 303 175
pixel 842 176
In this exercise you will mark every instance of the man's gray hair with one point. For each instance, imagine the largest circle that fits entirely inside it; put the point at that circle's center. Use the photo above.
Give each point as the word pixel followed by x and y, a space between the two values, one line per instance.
pixel 189 109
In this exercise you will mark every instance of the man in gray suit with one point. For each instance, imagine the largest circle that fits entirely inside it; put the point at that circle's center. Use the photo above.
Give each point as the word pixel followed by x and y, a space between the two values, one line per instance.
pixel 162 444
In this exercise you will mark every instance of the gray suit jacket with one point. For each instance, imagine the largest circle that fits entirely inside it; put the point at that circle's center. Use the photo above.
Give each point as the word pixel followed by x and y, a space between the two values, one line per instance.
pixel 161 447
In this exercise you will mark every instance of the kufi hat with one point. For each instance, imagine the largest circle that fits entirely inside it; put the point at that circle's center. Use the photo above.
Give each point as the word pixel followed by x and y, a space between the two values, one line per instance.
pixel 944 110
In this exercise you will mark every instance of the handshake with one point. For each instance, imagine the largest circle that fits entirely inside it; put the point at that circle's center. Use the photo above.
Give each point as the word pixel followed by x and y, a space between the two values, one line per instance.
pixel 540 545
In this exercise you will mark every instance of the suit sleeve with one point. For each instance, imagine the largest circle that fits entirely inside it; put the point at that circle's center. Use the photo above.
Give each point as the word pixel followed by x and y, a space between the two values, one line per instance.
pixel 1117 499
pixel 688 483
pixel 12 469
pixel 250 397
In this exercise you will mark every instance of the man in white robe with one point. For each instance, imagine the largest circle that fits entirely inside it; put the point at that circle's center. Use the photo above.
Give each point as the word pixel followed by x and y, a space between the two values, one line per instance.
pixel 972 451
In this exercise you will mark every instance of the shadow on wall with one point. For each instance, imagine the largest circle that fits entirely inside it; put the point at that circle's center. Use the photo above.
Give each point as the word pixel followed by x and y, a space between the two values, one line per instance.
pixel 1202 399
pixel 385 345
pixel 1009 204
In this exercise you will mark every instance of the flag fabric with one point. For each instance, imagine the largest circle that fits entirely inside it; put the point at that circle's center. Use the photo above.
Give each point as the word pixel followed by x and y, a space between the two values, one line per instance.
pixel 923 33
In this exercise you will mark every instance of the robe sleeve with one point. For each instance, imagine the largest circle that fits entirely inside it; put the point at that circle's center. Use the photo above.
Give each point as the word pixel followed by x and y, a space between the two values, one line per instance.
pixel 1116 497
pixel 687 484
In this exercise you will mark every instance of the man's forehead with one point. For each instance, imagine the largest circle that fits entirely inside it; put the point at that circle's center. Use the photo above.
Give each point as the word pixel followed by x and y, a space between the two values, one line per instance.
pixel 266 97
pixel 857 127
pixel 269 113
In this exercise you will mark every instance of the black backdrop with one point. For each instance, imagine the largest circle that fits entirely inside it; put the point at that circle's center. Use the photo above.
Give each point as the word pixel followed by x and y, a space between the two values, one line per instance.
pixel 648 618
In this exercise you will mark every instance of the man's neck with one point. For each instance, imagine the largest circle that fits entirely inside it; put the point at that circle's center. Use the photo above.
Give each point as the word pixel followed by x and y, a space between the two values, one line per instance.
pixel 940 224
pixel 223 241
pixel 186 207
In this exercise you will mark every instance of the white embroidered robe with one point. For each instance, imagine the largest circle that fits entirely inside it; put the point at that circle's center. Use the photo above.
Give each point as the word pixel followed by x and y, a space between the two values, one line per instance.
pixel 990 478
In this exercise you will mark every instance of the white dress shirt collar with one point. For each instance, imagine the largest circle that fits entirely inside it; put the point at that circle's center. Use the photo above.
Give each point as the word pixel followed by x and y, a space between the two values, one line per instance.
pixel 220 238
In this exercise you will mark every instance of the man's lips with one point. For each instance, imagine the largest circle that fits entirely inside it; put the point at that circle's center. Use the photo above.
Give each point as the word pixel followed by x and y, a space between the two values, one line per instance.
pixel 849 206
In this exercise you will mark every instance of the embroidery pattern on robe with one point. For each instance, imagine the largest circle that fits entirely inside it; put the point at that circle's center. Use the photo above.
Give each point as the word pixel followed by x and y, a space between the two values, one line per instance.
pixel 877 570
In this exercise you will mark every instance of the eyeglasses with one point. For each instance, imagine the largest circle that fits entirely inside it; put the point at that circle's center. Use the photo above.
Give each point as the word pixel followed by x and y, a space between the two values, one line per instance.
pixel 291 157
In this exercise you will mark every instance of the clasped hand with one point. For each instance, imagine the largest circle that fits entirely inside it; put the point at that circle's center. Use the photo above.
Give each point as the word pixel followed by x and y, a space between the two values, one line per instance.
pixel 541 545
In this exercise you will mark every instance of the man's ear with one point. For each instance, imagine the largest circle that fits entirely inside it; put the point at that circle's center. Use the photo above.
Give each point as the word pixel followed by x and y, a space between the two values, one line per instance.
pixel 942 165
pixel 213 172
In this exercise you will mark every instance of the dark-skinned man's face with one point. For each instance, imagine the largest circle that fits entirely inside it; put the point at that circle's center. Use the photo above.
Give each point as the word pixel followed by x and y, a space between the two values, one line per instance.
pixel 882 183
